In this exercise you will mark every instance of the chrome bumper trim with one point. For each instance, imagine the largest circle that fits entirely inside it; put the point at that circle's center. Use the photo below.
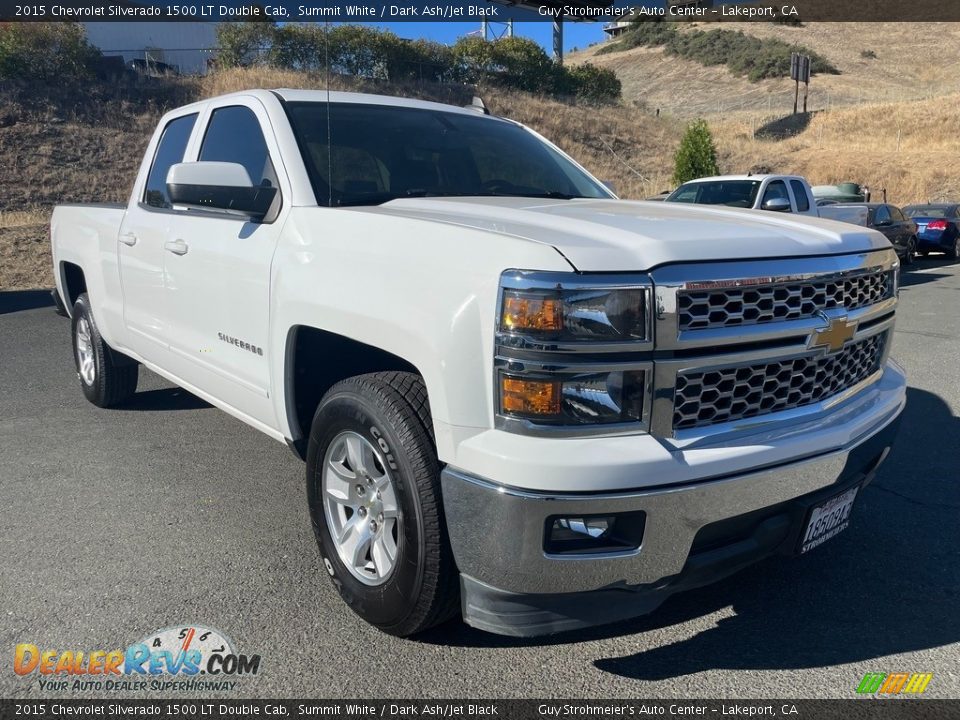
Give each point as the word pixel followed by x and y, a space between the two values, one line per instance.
pixel 497 532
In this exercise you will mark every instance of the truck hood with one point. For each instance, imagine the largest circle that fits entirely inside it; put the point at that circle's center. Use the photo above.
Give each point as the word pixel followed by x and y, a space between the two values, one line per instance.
pixel 623 235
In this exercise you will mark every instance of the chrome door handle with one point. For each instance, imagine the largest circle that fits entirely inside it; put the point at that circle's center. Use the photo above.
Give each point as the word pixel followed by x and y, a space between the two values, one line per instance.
pixel 177 247
pixel 128 239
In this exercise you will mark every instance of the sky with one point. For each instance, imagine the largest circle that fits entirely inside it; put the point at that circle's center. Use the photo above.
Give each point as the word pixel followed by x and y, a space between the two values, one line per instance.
pixel 575 34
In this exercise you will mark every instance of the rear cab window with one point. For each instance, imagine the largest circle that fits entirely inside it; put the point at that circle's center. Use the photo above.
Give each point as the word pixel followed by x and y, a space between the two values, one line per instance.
pixel 800 195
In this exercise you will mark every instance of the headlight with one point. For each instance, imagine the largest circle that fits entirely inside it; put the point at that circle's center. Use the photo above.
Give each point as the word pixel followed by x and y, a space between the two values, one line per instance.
pixel 609 314
pixel 573 352
pixel 580 398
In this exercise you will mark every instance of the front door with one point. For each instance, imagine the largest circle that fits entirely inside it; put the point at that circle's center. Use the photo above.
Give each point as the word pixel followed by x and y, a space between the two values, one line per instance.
pixel 217 268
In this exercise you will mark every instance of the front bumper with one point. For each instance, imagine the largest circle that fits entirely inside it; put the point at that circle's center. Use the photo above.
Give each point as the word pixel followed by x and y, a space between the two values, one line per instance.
pixel 694 534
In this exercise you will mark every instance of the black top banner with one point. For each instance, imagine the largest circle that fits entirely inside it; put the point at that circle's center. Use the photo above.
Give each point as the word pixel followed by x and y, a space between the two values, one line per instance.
pixel 354 11
pixel 212 709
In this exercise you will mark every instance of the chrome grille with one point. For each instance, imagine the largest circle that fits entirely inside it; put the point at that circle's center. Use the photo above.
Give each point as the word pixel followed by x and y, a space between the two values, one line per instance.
pixel 736 393
pixel 736 306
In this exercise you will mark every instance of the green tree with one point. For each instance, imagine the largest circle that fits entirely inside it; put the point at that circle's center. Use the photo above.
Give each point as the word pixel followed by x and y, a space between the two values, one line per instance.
pixel 473 59
pixel 57 52
pixel 696 157
pixel 240 44
pixel 522 64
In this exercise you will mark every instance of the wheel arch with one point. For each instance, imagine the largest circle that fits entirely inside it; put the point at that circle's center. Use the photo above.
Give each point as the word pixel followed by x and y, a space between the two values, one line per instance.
pixel 315 360
pixel 74 283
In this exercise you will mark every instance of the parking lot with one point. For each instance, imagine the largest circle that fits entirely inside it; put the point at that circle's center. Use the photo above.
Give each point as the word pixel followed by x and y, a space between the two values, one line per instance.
pixel 116 523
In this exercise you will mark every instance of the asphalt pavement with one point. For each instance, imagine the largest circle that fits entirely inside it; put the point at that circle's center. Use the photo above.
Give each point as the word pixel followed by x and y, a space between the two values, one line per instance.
pixel 169 513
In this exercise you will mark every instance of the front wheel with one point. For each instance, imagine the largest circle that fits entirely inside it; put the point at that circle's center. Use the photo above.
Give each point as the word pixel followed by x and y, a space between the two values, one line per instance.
pixel 373 484
pixel 107 377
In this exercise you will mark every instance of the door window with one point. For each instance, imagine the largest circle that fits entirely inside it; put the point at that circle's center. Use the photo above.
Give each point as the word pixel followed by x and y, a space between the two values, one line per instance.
pixel 170 150
pixel 775 190
pixel 800 194
pixel 234 135
pixel 883 215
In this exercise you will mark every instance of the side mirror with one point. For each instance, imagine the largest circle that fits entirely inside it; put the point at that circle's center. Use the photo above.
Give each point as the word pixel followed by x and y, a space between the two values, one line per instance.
pixel 218 186
pixel 883 223
pixel 776 205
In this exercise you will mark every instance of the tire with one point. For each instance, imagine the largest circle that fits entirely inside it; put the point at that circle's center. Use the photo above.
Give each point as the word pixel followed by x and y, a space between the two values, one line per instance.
pixel 911 254
pixel 954 252
pixel 372 467
pixel 107 377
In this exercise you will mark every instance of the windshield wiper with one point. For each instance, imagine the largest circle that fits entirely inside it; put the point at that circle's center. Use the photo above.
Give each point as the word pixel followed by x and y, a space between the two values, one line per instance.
pixel 551 195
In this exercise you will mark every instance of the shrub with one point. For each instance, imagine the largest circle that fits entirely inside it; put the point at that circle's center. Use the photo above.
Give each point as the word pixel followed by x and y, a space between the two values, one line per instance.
pixel 644 33
pixel 367 52
pixel 868 55
pixel 696 157
pixel 418 60
pixel 594 84
pixel 57 53
pixel 743 54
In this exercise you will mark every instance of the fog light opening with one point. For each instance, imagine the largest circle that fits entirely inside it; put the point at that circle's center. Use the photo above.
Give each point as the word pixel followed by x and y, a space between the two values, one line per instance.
pixel 586 534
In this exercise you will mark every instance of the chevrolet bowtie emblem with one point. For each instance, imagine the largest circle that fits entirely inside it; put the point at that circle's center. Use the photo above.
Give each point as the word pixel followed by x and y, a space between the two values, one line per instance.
pixel 838 332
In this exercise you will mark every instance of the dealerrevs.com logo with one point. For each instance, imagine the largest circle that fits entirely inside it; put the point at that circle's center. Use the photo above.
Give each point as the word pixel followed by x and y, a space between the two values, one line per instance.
pixel 189 658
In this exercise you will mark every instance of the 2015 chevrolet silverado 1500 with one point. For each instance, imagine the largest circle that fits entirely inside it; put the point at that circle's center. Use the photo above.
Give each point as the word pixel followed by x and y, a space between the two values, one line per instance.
pixel 516 395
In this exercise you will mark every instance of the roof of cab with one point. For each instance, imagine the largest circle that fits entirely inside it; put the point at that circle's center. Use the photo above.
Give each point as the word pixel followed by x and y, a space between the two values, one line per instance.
pixel 758 178
pixel 366 99
pixel 336 96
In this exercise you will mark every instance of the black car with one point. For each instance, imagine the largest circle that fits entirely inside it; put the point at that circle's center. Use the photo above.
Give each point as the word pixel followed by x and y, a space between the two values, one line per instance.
pixel 937 227
pixel 900 230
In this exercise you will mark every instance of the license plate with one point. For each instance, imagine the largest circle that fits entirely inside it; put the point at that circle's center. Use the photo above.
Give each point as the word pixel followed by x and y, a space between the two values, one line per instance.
pixel 828 519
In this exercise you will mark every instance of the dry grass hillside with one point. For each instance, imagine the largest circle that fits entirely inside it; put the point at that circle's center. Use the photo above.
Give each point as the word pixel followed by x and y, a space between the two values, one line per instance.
pixel 913 60
pixel 85 146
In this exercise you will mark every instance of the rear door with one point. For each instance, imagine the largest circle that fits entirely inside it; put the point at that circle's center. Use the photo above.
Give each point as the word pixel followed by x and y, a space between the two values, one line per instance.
pixel 140 244
pixel 218 269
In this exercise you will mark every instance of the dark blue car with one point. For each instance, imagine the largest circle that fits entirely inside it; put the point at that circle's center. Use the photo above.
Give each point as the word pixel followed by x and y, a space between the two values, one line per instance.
pixel 938 228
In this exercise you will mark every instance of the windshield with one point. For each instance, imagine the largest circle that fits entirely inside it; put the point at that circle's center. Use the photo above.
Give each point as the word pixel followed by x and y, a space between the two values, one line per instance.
pixel 371 154
pixel 931 211
pixel 734 193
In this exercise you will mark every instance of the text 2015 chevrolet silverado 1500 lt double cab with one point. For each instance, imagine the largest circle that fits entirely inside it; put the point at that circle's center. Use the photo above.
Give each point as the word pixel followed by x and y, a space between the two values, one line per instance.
pixel 516 395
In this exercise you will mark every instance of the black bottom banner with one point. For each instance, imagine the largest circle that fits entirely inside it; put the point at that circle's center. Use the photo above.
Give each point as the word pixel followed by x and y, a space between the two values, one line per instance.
pixel 882 709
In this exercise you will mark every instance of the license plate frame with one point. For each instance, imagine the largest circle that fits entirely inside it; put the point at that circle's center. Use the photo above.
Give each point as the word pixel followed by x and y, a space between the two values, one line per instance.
pixel 831 515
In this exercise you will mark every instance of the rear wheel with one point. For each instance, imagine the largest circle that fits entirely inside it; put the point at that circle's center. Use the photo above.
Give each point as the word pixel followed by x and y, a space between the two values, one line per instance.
pixel 107 377
pixel 911 253
pixel 954 252
pixel 373 484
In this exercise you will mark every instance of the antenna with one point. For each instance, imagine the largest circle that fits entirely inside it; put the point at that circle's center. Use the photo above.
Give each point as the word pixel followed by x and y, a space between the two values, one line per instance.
pixel 326 54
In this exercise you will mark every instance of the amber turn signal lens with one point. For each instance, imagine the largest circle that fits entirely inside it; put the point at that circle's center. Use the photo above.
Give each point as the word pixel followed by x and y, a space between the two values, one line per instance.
pixel 529 397
pixel 531 312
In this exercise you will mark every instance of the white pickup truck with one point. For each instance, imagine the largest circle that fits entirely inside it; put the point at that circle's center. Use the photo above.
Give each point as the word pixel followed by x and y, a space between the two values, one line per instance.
pixel 517 396
pixel 774 193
